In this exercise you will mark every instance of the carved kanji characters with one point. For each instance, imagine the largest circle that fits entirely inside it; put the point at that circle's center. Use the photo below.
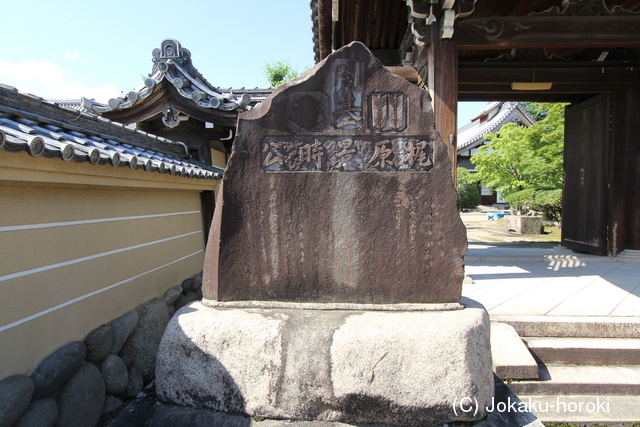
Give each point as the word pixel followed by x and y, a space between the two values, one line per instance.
pixel 345 156
pixel 417 152
pixel 348 112
pixel 312 153
pixel 274 154
pixel 382 154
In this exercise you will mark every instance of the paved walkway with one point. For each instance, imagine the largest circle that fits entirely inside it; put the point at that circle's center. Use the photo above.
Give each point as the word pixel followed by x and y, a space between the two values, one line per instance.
pixel 540 280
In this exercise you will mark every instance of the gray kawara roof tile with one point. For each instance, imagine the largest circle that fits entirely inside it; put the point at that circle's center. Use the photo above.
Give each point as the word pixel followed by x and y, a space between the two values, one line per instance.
pixel 41 128
pixel 172 62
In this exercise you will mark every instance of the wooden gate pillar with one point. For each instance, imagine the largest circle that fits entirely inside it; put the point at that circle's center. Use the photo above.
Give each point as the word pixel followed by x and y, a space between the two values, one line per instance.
pixel 437 65
pixel 624 184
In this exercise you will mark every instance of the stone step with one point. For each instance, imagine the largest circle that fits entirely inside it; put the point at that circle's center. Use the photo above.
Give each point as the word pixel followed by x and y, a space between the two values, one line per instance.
pixel 555 379
pixel 572 326
pixel 511 358
pixel 585 351
pixel 608 410
pixel 629 256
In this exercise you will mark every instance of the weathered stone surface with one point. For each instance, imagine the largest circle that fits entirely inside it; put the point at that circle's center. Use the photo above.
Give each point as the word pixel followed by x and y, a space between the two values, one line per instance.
pixel 41 413
pixel 98 343
pixel 197 281
pixel 523 224
pixel 122 328
pixel 135 381
pixel 15 395
pixel 338 189
pixel 172 294
pixel 114 372
pixel 188 285
pixel 81 399
pixel 185 299
pixel 56 368
pixel 142 345
pixel 399 368
pixel 112 404
pixel 146 410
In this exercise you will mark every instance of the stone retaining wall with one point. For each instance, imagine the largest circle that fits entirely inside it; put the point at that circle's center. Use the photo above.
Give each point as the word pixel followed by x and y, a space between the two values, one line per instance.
pixel 82 381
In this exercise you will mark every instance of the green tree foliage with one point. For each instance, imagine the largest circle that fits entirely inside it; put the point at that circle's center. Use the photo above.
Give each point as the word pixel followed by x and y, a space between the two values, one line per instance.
pixel 547 201
pixel 468 189
pixel 536 110
pixel 520 158
pixel 279 72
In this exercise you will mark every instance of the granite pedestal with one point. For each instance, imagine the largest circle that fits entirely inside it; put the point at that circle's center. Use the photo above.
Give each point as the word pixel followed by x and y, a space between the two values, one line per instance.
pixel 409 365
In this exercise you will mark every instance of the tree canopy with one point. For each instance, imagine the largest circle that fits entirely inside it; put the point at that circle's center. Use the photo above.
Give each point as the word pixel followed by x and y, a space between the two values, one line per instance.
pixel 519 158
pixel 279 72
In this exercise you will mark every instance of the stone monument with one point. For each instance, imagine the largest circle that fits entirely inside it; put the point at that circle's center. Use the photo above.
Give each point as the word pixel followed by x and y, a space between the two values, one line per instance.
pixel 334 268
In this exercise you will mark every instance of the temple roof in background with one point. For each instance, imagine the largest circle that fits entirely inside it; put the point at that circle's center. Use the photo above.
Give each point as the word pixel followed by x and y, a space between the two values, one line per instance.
pixel 175 88
pixel 43 128
pixel 491 119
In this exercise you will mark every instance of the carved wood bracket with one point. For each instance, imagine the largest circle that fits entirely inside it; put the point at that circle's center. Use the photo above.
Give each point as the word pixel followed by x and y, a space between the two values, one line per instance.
pixel 527 55
pixel 422 15
pixel 547 31
pixel 584 8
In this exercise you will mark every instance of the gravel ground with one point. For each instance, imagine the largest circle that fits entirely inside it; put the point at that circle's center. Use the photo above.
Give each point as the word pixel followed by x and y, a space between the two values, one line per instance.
pixel 481 229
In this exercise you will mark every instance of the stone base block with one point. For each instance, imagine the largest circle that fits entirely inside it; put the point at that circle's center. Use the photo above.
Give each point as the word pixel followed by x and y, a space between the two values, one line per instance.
pixel 394 367
pixel 523 224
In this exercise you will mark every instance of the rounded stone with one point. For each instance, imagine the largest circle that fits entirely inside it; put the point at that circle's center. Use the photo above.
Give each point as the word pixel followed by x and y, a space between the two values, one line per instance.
pixel 136 383
pixel 197 279
pixel 112 404
pixel 41 413
pixel 141 347
pixel 122 328
pixel 15 395
pixel 114 372
pixel 57 368
pixel 81 399
pixel 98 342
pixel 188 285
pixel 172 294
pixel 185 299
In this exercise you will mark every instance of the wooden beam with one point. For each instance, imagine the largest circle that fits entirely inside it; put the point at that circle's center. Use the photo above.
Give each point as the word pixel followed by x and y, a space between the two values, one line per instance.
pixel 324 28
pixel 442 82
pixel 541 96
pixel 567 74
pixel 466 87
pixel 549 31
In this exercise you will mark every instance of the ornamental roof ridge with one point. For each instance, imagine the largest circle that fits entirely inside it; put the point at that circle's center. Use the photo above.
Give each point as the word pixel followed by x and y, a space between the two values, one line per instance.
pixel 172 62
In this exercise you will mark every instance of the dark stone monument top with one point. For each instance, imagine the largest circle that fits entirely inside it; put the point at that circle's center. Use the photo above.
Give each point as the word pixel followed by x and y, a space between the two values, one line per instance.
pixel 338 189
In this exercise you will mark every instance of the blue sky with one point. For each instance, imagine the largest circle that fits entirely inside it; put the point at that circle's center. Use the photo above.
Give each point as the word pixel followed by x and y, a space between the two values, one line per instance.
pixel 98 49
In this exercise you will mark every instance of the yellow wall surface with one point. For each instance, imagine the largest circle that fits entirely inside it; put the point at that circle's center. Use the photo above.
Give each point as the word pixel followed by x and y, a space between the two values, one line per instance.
pixel 75 256
pixel 218 158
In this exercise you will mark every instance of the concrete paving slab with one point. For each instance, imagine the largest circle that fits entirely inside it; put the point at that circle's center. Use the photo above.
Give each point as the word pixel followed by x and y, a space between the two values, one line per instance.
pixel 511 358
pixel 536 300
pixel 576 379
pixel 608 410
pixel 585 351
pixel 562 287
pixel 599 298
pixel 629 306
pixel 499 293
